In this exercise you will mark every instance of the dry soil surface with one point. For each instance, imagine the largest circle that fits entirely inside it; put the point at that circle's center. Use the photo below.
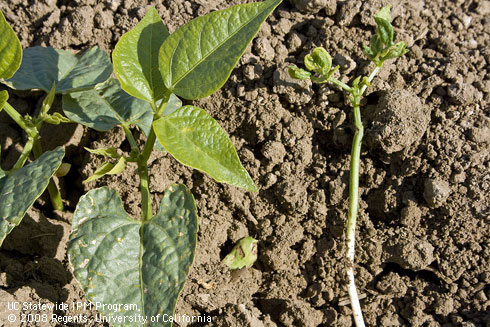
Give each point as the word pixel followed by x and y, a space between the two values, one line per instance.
pixel 423 254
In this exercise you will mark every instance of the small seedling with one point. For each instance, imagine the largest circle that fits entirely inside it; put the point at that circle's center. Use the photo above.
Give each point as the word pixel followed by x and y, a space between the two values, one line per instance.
pixel 119 259
pixel 243 254
pixel 320 70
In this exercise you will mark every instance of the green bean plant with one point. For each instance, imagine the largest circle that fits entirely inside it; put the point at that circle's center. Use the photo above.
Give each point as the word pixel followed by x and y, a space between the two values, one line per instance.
pixel 141 264
pixel 53 71
pixel 320 70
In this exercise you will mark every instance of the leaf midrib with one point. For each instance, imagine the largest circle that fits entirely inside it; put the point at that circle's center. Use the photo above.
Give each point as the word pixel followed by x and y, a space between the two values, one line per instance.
pixel 184 135
pixel 210 53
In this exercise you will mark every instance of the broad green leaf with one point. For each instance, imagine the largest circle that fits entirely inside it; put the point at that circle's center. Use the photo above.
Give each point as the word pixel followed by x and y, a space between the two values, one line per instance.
pixel 173 104
pixel 135 58
pixel 106 106
pixel 197 59
pixel 120 260
pixel 195 139
pixel 108 168
pixel 4 96
pixel 19 190
pixel 41 67
pixel 10 49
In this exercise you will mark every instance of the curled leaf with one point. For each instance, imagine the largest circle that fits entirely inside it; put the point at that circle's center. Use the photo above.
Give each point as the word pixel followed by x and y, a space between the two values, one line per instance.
pixel 384 30
pixel 106 152
pixel 298 73
pixel 396 51
pixel 108 168
pixel 319 61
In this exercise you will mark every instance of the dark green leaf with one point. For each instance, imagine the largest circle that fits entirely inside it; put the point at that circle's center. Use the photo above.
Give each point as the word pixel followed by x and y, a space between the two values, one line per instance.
pixel 135 58
pixel 41 67
pixel 107 106
pixel 197 59
pixel 195 139
pixel 120 260
pixel 20 189
pixel 10 49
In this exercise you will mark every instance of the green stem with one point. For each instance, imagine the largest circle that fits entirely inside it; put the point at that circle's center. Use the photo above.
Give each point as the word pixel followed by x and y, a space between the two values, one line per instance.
pixel 354 208
pixel 344 86
pixel 18 119
pixel 370 79
pixel 130 137
pixel 354 178
pixel 54 193
pixel 24 155
pixel 146 207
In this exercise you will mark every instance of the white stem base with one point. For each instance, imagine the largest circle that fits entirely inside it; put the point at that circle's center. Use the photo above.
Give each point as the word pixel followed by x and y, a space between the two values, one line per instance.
pixel 354 298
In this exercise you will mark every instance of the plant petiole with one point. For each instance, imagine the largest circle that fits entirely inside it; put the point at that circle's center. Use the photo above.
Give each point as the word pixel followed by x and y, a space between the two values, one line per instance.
pixel 54 193
pixel 370 78
pixel 130 137
pixel 340 84
pixel 24 155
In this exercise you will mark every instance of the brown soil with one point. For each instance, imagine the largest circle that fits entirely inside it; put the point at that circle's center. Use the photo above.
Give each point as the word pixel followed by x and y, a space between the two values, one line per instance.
pixel 423 253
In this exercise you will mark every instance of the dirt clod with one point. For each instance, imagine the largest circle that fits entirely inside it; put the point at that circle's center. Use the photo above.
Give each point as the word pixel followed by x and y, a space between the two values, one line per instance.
pixel 398 121
pixel 436 192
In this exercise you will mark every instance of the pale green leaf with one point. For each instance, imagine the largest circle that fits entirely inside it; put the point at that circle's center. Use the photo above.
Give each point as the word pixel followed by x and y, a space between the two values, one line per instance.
pixel 135 58
pixel 173 104
pixel 20 189
pixel 10 49
pixel 243 254
pixel 106 152
pixel 195 139
pixel 41 67
pixel 384 30
pixel 197 59
pixel 120 260
pixel 108 168
pixel 298 73
pixel 4 96
pixel 319 61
